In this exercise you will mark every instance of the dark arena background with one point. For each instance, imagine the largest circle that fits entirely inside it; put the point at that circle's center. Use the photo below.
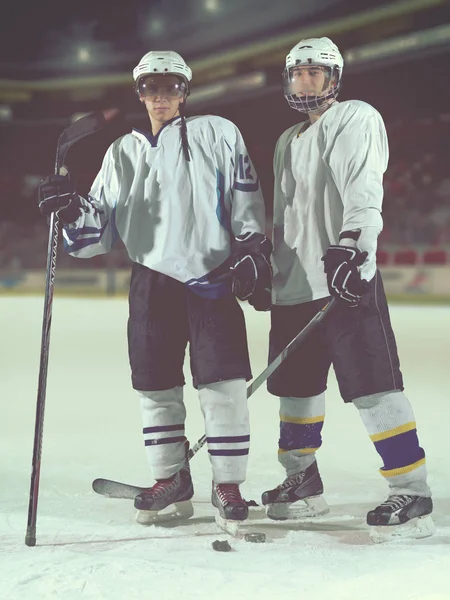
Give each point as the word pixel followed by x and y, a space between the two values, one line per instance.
pixel 68 62
pixel 62 60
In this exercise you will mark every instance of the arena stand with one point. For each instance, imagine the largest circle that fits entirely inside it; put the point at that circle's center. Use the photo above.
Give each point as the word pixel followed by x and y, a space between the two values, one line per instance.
pixel 414 247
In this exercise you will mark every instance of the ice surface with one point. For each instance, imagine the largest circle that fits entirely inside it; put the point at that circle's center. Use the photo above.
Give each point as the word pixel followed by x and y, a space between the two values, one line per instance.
pixel 89 547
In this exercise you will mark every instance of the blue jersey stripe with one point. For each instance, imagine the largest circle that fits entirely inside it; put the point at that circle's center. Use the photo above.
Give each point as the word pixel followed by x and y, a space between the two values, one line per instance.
pixel 221 211
pixel 247 187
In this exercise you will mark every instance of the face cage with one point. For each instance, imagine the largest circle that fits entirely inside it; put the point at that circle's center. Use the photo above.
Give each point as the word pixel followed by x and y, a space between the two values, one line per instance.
pixel 311 104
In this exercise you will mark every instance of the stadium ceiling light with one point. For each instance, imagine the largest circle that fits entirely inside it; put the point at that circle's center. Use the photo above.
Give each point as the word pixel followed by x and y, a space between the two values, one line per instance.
pixel 83 54
pixel 157 26
pixel 212 5
pixel 5 113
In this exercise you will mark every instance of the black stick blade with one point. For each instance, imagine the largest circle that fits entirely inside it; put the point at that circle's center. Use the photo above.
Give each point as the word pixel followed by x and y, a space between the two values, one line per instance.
pixel 81 128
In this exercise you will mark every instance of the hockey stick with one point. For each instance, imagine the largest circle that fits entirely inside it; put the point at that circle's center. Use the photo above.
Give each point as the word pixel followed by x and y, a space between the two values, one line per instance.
pixel 117 489
pixel 284 354
pixel 76 131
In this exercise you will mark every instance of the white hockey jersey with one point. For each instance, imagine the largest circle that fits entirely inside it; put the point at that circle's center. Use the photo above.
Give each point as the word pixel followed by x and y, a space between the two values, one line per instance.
pixel 173 216
pixel 328 179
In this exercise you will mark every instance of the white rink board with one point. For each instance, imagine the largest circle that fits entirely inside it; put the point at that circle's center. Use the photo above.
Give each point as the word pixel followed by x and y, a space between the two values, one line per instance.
pixel 417 282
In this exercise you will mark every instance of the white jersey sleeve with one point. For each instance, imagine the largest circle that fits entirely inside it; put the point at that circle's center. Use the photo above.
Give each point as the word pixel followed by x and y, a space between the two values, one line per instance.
pixel 94 232
pixel 356 153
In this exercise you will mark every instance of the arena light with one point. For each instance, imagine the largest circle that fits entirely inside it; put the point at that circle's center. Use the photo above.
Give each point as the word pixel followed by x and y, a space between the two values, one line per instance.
pixel 212 6
pixel 5 113
pixel 157 26
pixel 84 54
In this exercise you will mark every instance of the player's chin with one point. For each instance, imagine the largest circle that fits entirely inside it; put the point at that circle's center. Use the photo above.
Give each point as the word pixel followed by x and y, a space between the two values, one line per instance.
pixel 163 114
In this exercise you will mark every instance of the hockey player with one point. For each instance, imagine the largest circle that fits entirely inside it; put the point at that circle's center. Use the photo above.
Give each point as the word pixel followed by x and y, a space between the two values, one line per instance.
pixel 185 199
pixel 327 217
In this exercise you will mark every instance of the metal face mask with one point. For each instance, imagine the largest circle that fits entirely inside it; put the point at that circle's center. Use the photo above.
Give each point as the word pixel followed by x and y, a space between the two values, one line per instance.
pixel 308 87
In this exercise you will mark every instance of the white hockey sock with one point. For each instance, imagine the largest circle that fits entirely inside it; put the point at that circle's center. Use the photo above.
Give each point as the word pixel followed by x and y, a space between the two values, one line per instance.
pixel 390 422
pixel 163 416
pixel 224 407
pixel 301 422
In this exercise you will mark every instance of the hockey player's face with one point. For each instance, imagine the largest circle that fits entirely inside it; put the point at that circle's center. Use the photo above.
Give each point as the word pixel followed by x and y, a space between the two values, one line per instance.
pixel 311 80
pixel 162 95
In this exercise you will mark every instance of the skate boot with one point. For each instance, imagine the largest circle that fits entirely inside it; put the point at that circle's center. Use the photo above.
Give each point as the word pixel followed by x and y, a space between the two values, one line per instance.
pixel 231 507
pixel 167 500
pixel 299 496
pixel 401 516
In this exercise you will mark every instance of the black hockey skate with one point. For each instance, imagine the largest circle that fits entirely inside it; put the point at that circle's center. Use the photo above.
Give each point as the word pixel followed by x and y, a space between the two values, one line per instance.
pixel 299 496
pixel 231 507
pixel 401 516
pixel 167 500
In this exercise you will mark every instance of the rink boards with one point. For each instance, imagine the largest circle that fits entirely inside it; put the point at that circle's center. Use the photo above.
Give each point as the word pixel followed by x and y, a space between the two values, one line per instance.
pixel 408 284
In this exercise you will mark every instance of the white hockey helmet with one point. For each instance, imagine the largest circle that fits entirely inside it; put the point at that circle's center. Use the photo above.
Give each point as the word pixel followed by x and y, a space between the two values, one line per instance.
pixel 165 62
pixel 315 52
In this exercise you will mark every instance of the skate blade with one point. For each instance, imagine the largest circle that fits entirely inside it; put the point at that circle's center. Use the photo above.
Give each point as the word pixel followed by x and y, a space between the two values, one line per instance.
pixel 415 529
pixel 313 506
pixel 228 526
pixel 178 510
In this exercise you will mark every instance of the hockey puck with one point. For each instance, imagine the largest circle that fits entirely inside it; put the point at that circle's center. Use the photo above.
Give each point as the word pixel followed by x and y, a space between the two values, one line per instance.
pixel 250 503
pixel 256 538
pixel 221 546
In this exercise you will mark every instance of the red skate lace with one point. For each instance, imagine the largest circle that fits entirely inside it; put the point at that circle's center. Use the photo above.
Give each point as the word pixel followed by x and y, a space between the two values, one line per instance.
pixel 229 493
pixel 162 486
pixel 292 480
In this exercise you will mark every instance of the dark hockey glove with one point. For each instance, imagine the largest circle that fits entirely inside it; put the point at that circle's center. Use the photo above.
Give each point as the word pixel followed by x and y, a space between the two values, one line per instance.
pixel 341 267
pixel 252 272
pixel 57 194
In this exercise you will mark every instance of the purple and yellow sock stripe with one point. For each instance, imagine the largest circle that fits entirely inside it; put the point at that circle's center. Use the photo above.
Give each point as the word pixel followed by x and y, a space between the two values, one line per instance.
pixel 302 434
pixel 399 449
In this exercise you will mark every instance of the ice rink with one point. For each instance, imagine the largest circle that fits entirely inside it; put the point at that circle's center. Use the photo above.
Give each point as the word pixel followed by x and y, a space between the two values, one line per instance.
pixel 90 547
